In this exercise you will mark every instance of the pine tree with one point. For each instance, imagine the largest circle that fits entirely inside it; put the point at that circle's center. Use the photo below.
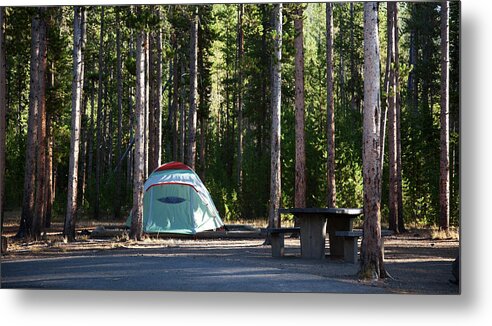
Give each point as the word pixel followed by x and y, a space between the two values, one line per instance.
pixel 372 260
pixel 444 118
pixel 77 95
pixel 275 167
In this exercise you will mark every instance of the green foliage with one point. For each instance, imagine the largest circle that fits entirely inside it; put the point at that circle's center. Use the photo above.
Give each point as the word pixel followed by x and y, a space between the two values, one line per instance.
pixel 218 89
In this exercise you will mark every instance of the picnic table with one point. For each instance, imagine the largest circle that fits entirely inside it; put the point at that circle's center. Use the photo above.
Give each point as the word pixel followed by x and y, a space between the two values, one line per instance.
pixel 313 224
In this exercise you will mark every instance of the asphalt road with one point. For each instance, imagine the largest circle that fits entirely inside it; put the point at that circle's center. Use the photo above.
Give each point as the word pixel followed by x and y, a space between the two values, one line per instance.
pixel 179 271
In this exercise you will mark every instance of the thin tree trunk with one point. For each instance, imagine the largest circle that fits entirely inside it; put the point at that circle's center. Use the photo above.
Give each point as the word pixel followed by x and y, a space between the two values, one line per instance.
pixel 49 171
pixel 77 95
pixel 444 162
pixel 392 139
pixel 175 105
pixel 240 55
pixel 27 213
pixel 191 153
pixel 275 166
pixel 152 104
pixel 3 109
pixel 300 164
pixel 119 82
pixel 146 105
pixel 91 139
pixel 182 118
pixel 158 111
pixel 372 260
pixel 40 205
pixel 99 119
pixel 401 223
pixel 138 181
pixel 352 59
pixel 331 199
pixel 385 103
pixel 341 64
pixel 412 77
pixel 83 153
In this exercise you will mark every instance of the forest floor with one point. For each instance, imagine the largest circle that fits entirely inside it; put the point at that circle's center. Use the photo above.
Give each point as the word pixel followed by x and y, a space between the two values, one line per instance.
pixel 418 261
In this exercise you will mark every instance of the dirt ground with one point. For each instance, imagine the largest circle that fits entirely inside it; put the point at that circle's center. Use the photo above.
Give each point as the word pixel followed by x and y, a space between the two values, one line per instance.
pixel 417 262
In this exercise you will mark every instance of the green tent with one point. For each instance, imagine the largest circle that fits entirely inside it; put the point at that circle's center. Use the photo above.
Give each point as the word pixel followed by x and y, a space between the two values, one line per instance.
pixel 176 201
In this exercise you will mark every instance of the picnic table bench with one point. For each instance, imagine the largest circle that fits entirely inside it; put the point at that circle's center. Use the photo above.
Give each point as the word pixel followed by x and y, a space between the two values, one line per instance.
pixel 350 245
pixel 313 224
pixel 277 239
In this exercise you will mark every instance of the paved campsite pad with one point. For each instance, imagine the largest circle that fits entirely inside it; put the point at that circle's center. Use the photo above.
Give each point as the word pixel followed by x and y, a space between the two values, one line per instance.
pixel 417 266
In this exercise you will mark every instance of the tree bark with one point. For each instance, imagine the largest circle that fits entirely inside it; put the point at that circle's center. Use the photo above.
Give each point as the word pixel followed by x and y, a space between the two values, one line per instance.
pixel 372 260
pixel 191 153
pixel 275 164
pixel 300 164
pixel 77 95
pixel 444 118
pixel 138 176
pixel 330 110
pixel 3 109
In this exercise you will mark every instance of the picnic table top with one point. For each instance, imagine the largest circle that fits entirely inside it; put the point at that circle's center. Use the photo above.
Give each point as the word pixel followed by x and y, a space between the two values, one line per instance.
pixel 322 210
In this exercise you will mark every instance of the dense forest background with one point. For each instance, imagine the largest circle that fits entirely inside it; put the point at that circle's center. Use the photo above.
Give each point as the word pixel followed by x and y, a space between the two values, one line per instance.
pixel 235 59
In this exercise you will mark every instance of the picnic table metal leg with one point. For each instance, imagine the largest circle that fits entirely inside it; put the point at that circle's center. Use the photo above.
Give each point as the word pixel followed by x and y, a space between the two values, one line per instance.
pixel 313 235
pixel 337 243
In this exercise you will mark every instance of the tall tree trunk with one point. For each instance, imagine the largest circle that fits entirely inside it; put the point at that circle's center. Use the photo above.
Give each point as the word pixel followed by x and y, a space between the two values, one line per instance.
pixel 300 164
pixel 240 55
pixel 146 104
pixel 386 84
pixel 444 162
pixel 119 82
pixel 77 95
pixel 138 180
pixel 27 214
pixel 331 199
pixel 372 260
pixel 401 223
pixel 99 119
pixel 152 103
pixel 191 153
pixel 392 139
pixel 275 166
pixel 175 104
pixel 182 117
pixel 158 111
pixel 3 109
pixel 40 205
